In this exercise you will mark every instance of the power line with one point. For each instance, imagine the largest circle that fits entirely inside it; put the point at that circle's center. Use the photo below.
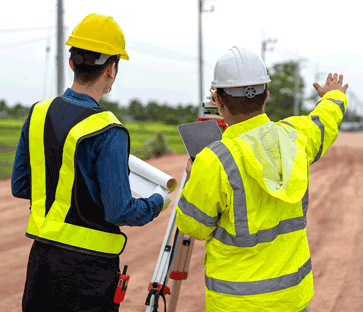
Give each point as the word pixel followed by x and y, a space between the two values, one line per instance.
pixel 15 30
pixel 162 52
pixel 22 43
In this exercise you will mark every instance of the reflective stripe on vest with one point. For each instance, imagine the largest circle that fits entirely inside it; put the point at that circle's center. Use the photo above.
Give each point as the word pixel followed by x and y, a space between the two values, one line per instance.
pixel 259 287
pixel 288 123
pixel 52 226
pixel 316 120
pixel 338 102
pixel 242 237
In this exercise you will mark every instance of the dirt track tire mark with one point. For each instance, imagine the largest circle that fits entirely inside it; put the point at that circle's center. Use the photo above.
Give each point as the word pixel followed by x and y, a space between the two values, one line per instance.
pixel 323 209
pixel 353 280
pixel 334 236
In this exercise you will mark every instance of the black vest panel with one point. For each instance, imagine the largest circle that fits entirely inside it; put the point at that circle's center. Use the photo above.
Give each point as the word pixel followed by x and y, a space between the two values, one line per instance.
pixel 61 117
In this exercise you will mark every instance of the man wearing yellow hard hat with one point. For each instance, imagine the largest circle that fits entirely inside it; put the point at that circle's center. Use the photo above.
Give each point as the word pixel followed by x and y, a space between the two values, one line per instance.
pixel 72 163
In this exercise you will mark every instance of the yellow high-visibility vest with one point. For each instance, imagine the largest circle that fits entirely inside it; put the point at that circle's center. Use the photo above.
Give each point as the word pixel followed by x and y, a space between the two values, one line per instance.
pixel 247 196
pixel 62 211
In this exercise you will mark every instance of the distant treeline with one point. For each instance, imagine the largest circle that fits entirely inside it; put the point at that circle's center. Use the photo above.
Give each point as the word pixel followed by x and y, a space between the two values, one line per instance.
pixel 135 111
pixel 279 103
pixel 17 111
pixel 152 111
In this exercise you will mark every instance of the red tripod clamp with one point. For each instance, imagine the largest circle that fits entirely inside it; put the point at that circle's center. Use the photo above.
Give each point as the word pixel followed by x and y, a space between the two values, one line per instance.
pixel 166 288
pixel 179 275
pixel 220 121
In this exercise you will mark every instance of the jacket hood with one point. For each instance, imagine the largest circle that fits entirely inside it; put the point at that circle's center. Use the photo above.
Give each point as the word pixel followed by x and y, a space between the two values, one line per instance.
pixel 274 155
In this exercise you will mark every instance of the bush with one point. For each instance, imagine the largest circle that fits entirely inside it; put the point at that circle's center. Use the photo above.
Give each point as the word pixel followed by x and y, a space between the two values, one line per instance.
pixel 172 120
pixel 157 147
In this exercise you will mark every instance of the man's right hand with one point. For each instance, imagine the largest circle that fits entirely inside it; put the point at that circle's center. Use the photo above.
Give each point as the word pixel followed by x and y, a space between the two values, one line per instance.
pixel 331 84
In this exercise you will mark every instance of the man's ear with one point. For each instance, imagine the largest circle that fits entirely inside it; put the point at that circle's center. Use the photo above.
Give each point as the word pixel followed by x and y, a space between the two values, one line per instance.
pixel 71 64
pixel 111 70
pixel 219 100
pixel 266 97
pixel 264 102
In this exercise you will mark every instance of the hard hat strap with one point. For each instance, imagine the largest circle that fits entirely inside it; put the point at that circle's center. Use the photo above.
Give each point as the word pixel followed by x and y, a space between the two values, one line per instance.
pixel 102 59
pixel 80 56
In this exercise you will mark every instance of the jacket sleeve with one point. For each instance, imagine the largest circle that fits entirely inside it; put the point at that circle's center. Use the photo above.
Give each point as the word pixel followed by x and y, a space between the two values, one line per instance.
pixel 321 126
pixel 199 206
pixel 20 177
pixel 115 193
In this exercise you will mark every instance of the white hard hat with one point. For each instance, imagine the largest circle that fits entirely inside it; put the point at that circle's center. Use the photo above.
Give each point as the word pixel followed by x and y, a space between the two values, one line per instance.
pixel 240 67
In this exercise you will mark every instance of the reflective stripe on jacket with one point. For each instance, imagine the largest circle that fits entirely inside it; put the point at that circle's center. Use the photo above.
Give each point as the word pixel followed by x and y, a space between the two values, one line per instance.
pixel 62 210
pixel 247 196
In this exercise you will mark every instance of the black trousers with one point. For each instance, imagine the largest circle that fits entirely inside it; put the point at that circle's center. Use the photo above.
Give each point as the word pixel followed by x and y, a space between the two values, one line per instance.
pixel 64 280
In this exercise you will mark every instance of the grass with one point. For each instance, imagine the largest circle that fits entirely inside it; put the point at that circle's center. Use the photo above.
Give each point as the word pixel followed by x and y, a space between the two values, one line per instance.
pixel 140 134
pixel 10 130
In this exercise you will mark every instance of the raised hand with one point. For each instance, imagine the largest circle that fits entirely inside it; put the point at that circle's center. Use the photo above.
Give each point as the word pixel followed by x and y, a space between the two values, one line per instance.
pixel 331 84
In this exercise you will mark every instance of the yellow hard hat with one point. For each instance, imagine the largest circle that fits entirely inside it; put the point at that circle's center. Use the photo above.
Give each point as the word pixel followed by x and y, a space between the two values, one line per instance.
pixel 99 33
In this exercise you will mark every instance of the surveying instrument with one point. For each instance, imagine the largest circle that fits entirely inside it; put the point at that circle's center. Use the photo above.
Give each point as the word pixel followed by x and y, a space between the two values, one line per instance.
pixel 174 259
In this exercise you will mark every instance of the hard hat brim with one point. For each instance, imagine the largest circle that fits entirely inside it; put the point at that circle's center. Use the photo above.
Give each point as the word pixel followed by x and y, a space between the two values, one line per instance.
pixel 95 46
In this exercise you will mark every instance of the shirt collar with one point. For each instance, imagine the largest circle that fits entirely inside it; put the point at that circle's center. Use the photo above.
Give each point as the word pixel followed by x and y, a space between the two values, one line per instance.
pixel 245 126
pixel 81 97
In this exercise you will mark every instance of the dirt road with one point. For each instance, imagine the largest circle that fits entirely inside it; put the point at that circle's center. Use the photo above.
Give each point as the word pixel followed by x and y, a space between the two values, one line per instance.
pixel 335 233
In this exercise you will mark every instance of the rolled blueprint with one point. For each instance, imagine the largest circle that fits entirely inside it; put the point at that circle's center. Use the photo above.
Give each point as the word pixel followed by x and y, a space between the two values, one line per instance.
pixel 144 178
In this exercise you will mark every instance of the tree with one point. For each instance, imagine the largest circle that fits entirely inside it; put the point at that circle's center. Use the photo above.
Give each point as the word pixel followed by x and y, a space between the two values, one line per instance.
pixel 112 106
pixel 153 111
pixel 280 102
pixel 136 110
pixel 18 111
pixel 3 107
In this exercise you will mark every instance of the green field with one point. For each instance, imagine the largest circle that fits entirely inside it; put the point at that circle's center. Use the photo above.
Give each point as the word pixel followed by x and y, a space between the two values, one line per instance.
pixel 140 133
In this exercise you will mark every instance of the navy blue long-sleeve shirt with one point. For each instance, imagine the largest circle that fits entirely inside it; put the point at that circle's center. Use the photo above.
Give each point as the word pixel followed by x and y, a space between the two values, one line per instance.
pixel 102 161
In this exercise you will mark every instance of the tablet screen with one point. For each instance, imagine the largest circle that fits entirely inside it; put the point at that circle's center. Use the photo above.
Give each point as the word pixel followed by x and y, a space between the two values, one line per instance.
pixel 198 135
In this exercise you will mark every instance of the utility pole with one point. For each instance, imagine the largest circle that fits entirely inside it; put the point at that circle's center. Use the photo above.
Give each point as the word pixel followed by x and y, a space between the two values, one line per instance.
pixel 264 46
pixel 200 53
pixel 60 47
pixel 297 84
pixel 318 74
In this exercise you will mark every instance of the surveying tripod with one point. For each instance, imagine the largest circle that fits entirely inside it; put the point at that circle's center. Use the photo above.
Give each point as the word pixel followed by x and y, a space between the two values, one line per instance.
pixel 174 259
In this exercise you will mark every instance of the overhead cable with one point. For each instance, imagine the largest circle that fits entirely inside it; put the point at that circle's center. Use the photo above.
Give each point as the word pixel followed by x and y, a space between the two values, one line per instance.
pixel 22 43
pixel 14 30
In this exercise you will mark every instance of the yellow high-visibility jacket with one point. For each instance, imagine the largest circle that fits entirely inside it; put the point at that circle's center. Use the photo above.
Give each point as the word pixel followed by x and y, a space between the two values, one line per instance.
pixel 247 196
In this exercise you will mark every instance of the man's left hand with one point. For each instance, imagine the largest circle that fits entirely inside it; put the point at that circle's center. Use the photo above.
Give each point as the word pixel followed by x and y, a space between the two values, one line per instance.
pixel 188 168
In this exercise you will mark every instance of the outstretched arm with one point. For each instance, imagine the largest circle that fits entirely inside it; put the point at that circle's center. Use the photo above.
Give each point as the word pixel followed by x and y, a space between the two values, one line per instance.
pixel 320 127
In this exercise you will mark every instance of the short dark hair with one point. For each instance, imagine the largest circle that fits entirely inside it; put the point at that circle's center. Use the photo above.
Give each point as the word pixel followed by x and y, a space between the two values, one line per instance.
pixel 242 105
pixel 84 72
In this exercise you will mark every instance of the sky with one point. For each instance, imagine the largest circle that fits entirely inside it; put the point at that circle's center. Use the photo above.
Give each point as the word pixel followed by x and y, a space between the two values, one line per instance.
pixel 162 43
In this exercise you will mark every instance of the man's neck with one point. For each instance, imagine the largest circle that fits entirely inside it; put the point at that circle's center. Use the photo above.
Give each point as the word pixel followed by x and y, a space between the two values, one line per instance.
pixel 232 120
pixel 90 90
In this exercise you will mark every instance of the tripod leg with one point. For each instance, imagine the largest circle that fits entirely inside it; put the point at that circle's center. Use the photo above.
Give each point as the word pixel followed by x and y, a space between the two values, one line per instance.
pixel 162 267
pixel 181 264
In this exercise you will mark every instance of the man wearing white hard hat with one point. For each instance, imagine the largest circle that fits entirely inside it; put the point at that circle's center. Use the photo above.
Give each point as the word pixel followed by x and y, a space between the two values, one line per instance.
pixel 247 195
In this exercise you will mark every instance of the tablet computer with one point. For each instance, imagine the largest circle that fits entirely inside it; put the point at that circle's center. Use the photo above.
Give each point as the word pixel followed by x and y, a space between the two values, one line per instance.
pixel 198 135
